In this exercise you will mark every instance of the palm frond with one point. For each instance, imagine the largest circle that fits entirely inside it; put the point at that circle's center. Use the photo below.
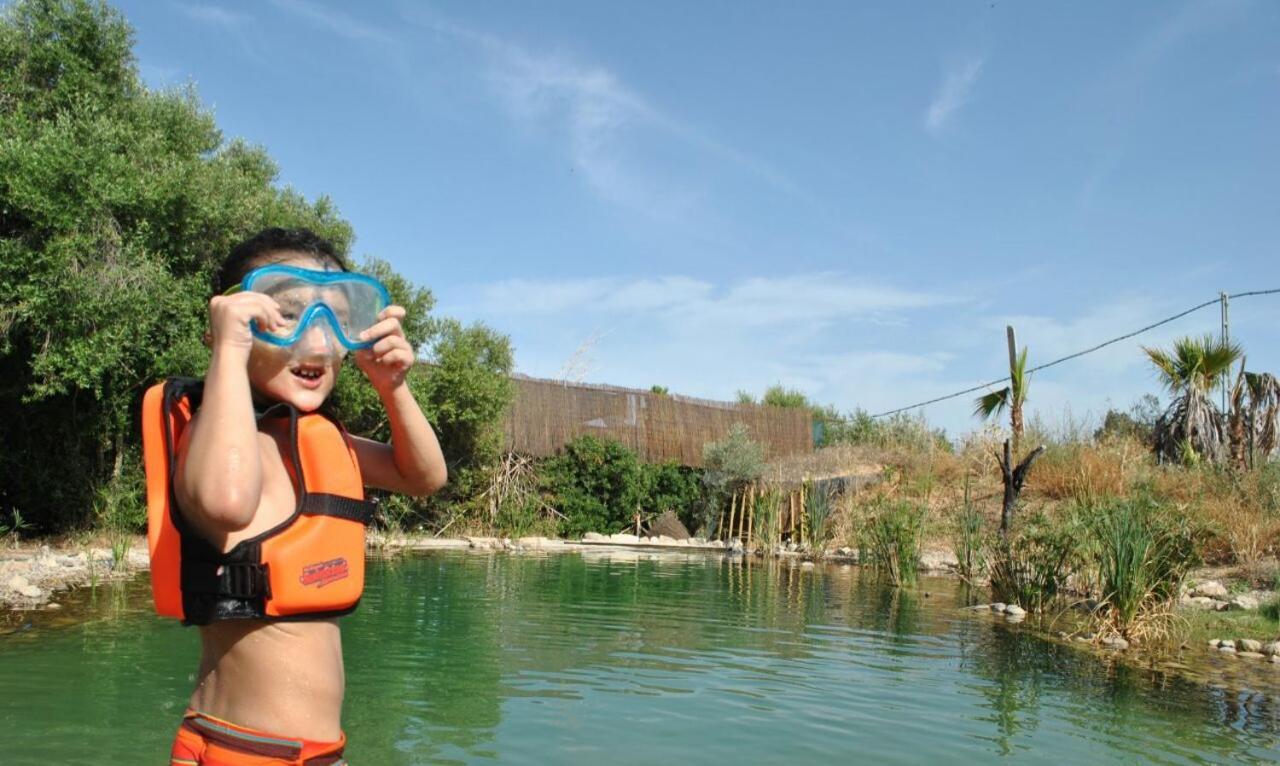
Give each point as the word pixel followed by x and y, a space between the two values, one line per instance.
pixel 992 404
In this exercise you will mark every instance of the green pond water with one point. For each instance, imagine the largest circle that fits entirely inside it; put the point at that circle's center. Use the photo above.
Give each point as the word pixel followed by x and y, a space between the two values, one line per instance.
pixel 628 659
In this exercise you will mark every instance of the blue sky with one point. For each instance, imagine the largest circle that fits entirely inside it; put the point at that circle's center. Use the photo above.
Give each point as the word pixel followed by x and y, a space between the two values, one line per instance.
pixel 852 199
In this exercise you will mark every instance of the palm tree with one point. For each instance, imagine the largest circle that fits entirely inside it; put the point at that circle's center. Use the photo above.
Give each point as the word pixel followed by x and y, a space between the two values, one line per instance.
pixel 1191 371
pixel 1012 397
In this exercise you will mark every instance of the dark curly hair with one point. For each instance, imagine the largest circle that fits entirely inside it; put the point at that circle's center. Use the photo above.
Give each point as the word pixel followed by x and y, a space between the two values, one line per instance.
pixel 258 250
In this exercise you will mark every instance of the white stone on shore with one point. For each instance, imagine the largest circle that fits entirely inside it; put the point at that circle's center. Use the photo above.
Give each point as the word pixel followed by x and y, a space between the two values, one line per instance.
pixel 623 537
pixel 1252 655
pixel 1115 642
pixel 1228 648
pixel 1249 645
pixel 20 585
pixel 999 606
pixel 595 537
pixel 1013 610
pixel 1272 648
pixel 1210 588
pixel 1244 602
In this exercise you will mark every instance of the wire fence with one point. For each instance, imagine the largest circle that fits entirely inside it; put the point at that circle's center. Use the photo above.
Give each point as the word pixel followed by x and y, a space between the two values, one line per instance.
pixel 1221 301
pixel 547 414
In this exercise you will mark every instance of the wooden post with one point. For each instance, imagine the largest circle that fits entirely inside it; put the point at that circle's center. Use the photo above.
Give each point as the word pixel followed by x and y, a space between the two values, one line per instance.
pixel 733 506
pixel 751 517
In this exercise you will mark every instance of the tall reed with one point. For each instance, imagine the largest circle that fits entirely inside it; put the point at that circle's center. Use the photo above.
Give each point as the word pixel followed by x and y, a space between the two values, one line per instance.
pixel 967 542
pixel 1141 554
pixel 894 538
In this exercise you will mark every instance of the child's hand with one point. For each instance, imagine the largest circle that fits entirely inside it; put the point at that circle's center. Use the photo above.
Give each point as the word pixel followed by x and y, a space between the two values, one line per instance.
pixel 388 361
pixel 229 317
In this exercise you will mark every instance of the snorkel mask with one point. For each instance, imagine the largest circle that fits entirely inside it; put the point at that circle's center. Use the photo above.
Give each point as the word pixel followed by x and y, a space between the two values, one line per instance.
pixel 341 304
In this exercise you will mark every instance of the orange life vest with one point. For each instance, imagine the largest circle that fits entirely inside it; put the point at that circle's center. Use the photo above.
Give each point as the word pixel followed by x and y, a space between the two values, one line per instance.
pixel 309 566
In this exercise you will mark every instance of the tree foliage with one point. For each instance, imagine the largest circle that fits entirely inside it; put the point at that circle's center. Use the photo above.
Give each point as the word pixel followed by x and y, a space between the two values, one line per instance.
pixel 117 204
pixel 1192 427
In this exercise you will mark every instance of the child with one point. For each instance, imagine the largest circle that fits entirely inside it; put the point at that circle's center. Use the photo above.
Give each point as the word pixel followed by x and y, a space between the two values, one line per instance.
pixel 255 498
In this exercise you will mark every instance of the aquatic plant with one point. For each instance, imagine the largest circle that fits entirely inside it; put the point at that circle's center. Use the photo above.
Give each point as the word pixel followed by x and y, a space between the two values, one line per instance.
pixel 817 509
pixel 967 538
pixel 894 536
pixel 1141 554
pixel 1030 566
pixel 768 518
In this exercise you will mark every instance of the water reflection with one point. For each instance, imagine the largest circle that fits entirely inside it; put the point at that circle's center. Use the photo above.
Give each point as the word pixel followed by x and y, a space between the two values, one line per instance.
pixel 641 658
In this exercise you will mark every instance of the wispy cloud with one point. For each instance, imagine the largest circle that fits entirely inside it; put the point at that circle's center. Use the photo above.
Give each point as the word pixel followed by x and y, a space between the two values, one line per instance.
pixel 803 299
pixel 608 127
pixel 213 15
pixel 337 22
pixel 953 92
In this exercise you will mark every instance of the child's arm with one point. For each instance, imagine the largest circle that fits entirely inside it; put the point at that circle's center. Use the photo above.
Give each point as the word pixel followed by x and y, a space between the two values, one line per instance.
pixel 218 480
pixel 412 463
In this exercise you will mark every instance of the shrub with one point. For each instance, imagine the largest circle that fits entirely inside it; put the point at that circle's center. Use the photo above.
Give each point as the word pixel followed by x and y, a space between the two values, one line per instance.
pixel 728 464
pixel 671 487
pixel 597 484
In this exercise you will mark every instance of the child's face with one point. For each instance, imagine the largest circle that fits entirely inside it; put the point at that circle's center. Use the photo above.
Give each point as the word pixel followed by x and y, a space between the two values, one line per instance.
pixel 302 375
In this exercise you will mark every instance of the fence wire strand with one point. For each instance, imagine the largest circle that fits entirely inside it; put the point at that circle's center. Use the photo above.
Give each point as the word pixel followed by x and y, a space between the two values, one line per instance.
pixel 1077 354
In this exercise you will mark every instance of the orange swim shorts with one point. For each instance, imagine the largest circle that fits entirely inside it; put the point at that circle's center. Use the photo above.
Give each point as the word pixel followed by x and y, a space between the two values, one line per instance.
pixel 209 741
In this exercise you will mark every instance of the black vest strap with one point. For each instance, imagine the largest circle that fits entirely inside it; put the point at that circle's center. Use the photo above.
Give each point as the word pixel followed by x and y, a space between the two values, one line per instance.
pixel 321 504
pixel 246 580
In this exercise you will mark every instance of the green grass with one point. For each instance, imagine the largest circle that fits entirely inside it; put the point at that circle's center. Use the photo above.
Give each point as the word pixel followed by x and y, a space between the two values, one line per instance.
pixel 1199 627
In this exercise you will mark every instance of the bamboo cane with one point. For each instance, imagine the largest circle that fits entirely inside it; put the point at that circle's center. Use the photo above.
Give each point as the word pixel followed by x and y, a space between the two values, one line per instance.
pixel 751 517
pixel 802 514
pixel 732 514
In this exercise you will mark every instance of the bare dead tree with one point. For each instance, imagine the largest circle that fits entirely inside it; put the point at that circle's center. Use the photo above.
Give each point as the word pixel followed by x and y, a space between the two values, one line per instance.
pixel 1014 476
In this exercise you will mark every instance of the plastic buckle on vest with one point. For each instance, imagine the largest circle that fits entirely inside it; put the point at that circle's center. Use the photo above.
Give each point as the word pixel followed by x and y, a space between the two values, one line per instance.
pixel 245 580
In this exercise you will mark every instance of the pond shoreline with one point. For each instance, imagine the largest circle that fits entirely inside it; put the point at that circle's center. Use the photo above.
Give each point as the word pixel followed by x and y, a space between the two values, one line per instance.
pixel 31 577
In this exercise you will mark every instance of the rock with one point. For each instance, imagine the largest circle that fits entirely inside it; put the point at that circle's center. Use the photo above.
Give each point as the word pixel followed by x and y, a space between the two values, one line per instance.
pixel 1212 589
pixel 1272 649
pixel 1013 610
pixel 623 537
pixel 792 547
pixel 806 565
pixel 998 607
pixel 595 537
pixel 1249 645
pixel 1202 602
pixel 939 560
pixel 1015 617
pixel 1243 602
pixel 1252 655
pixel 1115 642
pixel 1214 642
pixel 53 605
pixel 1228 648
pixel 1275 658
pixel 736 546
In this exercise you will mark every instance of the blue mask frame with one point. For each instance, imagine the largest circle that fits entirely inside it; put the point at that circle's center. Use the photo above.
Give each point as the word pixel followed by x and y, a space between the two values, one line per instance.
pixel 317 310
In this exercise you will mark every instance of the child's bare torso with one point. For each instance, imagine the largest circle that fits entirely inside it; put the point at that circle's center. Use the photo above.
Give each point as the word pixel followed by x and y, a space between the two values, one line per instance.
pixel 282 676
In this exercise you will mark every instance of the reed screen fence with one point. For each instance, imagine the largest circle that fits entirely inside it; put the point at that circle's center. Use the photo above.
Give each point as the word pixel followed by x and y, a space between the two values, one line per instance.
pixel 547 414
